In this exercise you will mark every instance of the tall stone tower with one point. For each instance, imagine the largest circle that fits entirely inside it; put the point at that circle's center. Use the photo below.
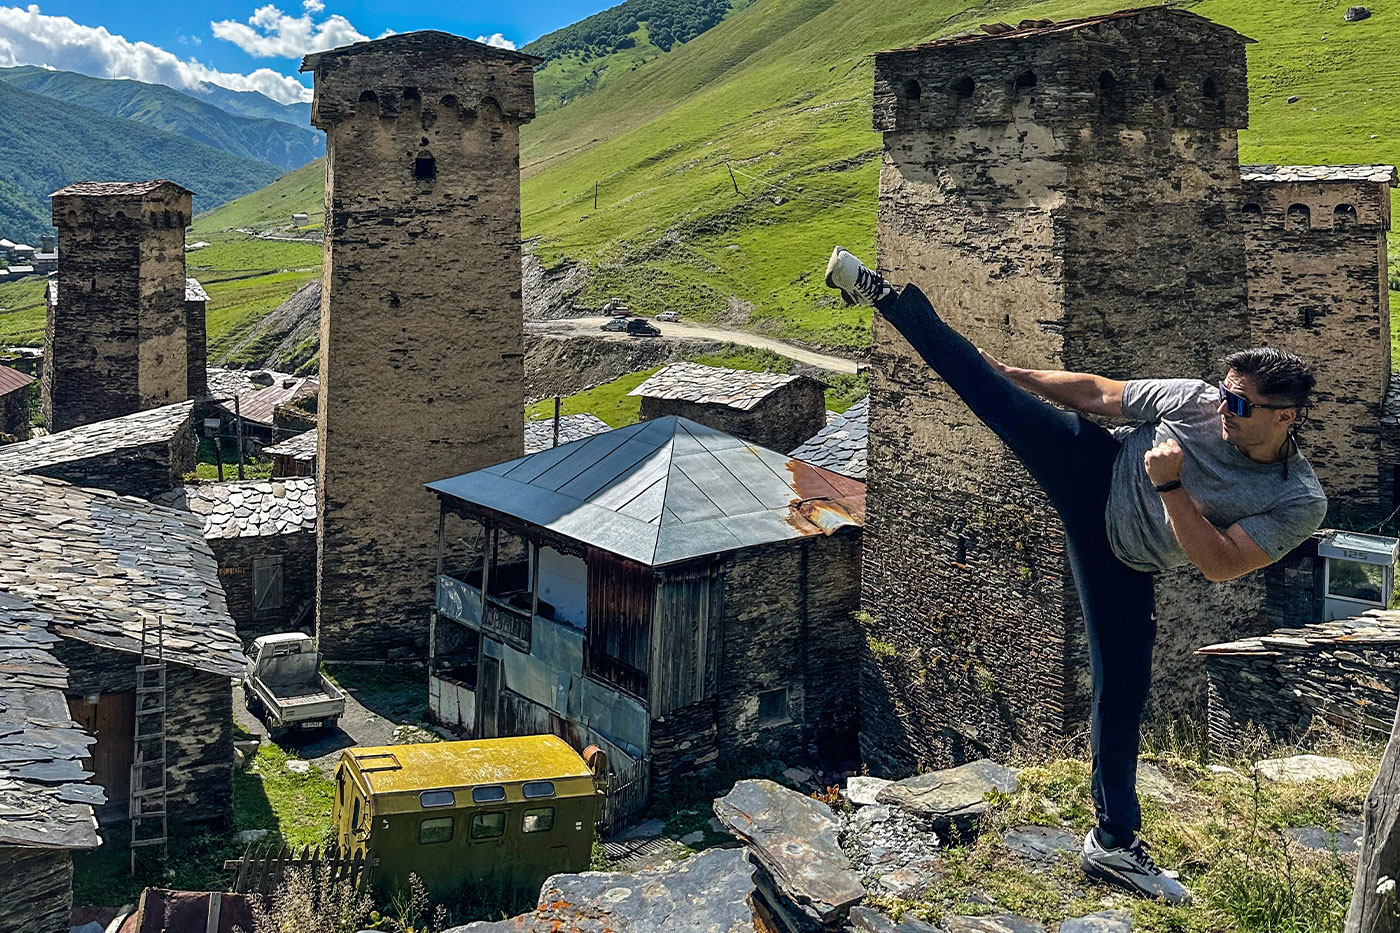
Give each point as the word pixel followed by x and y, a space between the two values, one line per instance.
pixel 422 333
pixel 114 341
pixel 1068 196
pixel 1315 241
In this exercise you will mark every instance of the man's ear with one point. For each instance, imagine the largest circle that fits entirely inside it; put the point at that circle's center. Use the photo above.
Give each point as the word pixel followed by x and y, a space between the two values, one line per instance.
pixel 1287 416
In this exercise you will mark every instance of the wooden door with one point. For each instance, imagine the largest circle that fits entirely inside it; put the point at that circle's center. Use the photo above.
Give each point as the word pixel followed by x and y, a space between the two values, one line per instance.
pixel 488 702
pixel 112 721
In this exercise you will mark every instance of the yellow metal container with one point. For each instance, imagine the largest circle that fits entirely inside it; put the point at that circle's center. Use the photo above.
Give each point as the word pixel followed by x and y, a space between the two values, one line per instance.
pixel 506 813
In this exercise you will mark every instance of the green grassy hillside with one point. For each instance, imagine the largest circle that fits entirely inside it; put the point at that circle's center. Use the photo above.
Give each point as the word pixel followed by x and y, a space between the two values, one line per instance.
pixel 46 144
pixel 165 108
pixel 303 190
pixel 780 90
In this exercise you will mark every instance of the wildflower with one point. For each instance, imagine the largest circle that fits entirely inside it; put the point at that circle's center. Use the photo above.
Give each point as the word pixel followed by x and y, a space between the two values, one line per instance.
pixel 1386 886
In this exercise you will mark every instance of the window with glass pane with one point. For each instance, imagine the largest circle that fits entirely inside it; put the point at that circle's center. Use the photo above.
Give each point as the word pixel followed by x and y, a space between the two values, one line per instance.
pixel 488 825
pixel 538 821
pixel 1354 580
pixel 538 789
pixel 488 794
pixel 436 798
pixel 437 829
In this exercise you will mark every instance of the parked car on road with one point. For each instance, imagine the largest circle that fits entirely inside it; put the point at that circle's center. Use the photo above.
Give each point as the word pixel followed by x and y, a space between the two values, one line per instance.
pixel 283 684
pixel 616 324
pixel 640 328
pixel 669 317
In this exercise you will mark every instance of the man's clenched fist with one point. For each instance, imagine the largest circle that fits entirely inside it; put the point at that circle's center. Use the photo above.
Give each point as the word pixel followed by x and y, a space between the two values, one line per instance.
pixel 1163 462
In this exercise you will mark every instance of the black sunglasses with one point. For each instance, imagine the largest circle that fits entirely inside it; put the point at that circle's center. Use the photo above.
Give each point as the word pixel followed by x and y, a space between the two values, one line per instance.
pixel 1241 407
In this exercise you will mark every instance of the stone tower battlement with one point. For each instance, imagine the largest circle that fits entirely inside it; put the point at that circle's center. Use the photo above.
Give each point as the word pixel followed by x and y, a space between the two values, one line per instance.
pixel 1068 197
pixel 422 333
pixel 1316 245
pixel 1156 66
pixel 115 340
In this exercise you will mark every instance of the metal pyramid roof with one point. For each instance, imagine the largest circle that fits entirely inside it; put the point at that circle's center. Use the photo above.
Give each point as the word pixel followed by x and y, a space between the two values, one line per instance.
pixel 664 491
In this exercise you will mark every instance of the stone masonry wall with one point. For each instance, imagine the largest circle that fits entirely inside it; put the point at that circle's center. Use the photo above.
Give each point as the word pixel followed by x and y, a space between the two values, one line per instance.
pixel 1317 286
pixel 235 557
pixel 787 417
pixel 421 320
pixel 1066 202
pixel 115 339
pixel 36 890
pixel 196 349
pixel 14 413
pixel 199 728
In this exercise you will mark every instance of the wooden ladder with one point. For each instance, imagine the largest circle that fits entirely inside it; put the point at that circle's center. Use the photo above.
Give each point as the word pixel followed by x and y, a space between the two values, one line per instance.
pixel 149 823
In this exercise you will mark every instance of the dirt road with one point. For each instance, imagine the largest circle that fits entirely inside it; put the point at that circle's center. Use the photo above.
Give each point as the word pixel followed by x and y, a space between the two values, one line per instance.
pixel 593 325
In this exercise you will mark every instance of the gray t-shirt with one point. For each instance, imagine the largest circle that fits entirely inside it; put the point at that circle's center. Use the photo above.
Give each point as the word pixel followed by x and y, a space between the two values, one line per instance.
pixel 1278 512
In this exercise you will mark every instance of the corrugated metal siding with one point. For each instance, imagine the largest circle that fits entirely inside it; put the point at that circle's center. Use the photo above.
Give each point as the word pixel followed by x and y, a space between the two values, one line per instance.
pixel 620 598
pixel 685 652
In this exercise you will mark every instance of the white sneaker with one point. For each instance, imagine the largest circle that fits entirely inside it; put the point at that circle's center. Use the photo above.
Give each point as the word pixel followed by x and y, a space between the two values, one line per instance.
pixel 859 284
pixel 1132 868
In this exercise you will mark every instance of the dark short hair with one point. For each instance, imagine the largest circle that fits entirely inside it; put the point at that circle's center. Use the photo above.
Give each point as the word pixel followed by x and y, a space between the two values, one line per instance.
pixel 1277 373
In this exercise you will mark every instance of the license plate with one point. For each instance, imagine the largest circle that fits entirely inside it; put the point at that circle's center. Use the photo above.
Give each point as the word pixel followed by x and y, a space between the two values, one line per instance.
pixel 311 724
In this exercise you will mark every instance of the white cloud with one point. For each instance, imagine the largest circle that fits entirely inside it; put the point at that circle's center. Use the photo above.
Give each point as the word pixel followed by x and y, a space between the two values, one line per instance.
pixel 29 37
pixel 270 33
pixel 498 40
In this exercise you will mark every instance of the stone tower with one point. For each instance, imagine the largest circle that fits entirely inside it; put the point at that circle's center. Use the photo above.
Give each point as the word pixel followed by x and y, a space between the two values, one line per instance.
pixel 114 342
pixel 422 334
pixel 1315 241
pixel 1068 196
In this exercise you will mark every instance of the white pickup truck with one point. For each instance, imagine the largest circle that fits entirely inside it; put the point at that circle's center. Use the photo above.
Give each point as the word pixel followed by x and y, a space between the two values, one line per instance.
pixel 283 684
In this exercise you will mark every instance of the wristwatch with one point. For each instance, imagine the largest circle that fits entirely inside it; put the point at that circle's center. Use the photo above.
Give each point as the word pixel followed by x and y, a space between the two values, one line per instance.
pixel 1168 487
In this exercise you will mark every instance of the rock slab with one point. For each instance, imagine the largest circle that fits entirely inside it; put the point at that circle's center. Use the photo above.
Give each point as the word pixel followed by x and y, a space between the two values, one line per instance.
pixel 1105 921
pixel 1040 843
pixel 1301 768
pixel 862 790
pixel 706 893
pixel 865 920
pixel 954 797
pixel 793 839
pixel 1356 14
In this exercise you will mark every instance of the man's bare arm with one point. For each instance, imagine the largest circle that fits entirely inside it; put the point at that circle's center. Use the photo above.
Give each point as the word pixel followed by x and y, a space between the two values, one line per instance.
pixel 1219 555
pixel 1082 392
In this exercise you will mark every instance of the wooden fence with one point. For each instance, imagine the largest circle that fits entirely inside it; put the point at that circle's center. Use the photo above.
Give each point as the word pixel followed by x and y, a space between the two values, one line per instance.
pixel 263 871
pixel 626 798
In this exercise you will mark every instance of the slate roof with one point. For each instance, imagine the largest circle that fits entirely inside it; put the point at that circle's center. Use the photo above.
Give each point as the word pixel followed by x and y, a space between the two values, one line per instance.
pixel 97 564
pixel 1040 28
pixel 300 447
pixel 106 188
pixel 1375 627
pixel 258 405
pixel 712 385
pixel 1380 174
pixel 250 509
pixel 539 435
pixel 663 491
pixel 226 383
pixel 101 438
pixel 841 445
pixel 45 800
pixel 12 379
pixel 430 39
pixel 193 290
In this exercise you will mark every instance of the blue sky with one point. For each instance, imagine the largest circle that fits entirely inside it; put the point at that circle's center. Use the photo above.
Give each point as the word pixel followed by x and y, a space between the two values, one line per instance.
pixel 251 45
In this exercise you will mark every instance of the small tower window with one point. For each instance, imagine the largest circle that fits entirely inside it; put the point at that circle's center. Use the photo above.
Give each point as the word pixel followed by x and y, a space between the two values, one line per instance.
pixel 963 87
pixel 1159 86
pixel 1210 88
pixel 1025 81
pixel 912 91
pixel 1111 99
pixel 368 104
pixel 425 166
pixel 1251 212
pixel 1343 217
pixel 1298 218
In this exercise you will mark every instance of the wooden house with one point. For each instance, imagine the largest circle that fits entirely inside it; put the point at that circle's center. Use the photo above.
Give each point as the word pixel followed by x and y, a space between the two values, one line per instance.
pixel 666 591
pixel 296 456
pixel 132 592
pixel 45 795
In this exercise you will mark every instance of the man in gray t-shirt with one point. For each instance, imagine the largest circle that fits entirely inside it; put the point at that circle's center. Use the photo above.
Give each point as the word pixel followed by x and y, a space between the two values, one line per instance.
pixel 1211 478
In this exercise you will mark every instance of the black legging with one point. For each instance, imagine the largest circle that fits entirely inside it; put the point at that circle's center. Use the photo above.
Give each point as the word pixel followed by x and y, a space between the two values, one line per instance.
pixel 1072 459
